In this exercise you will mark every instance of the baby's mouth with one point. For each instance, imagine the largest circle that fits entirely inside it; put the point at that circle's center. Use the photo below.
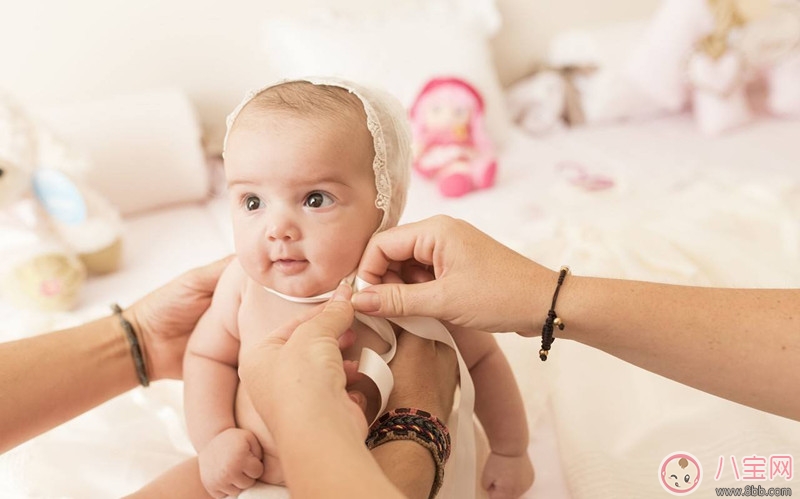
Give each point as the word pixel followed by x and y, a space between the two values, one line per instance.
pixel 290 266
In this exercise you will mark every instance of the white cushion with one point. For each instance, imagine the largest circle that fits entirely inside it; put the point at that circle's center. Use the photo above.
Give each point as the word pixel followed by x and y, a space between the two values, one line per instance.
pixel 145 149
pixel 399 49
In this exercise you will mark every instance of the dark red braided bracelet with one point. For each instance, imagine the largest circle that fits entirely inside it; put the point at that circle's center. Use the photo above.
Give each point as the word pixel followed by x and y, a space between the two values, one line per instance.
pixel 418 426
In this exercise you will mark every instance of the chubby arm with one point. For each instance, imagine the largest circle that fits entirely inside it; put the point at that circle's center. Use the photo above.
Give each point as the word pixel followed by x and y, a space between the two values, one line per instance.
pixel 498 403
pixel 210 364
pixel 508 472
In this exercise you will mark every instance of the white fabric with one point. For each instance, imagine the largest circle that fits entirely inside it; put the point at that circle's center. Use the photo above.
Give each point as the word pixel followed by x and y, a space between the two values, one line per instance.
pixel 391 138
pixel 399 50
pixel 145 148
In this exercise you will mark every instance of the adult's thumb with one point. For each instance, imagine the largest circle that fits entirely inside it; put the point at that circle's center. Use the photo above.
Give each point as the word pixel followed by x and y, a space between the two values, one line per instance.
pixel 398 300
pixel 334 319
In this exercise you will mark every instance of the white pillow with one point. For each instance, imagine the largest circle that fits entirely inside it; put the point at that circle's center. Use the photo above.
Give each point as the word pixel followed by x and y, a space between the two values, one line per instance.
pixel 607 94
pixel 398 49
pixel 145 149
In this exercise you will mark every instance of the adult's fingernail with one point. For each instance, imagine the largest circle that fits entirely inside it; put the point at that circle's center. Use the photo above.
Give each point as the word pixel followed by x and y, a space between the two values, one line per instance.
pixel 366 301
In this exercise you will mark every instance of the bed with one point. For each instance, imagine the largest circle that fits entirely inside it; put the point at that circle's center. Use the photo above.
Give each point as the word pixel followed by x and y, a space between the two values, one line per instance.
pixel 647 199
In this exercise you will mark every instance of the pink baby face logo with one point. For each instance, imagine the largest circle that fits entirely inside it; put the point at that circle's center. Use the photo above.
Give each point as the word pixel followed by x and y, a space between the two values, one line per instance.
pixel 680 473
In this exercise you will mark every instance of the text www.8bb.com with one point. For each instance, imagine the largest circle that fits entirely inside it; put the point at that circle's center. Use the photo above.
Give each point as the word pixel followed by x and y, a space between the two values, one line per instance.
pixel 753 491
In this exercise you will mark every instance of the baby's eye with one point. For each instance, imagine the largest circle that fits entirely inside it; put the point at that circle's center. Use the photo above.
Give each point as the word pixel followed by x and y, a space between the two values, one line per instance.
pixel 686 479
pixel 317 200
pixel 252 203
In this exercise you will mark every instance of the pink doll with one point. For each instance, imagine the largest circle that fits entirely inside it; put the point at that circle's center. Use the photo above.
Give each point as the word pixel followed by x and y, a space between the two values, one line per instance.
pixel 450 141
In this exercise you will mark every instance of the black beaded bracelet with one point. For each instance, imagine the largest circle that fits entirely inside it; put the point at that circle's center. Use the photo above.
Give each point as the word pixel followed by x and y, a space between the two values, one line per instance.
pixel 418 426
pixel 136 349
pixel 552 319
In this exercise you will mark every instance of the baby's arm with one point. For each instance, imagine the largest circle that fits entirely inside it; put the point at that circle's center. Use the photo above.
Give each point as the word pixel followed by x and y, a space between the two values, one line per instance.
pixel 498 405
pixel 229 456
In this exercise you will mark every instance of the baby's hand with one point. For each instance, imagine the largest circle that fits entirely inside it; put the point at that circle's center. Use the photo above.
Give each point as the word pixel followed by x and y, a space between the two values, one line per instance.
pixel 230 463
pixel 507 477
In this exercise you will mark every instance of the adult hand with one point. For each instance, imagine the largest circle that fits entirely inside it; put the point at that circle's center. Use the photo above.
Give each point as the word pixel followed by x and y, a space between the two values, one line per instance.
pixel 479 283
pixel 418 360
pixel 298 371
pixel 166 317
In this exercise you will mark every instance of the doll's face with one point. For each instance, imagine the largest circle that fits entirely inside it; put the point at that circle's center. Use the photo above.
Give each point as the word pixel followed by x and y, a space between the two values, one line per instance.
pixel 302 195
pixel 446 108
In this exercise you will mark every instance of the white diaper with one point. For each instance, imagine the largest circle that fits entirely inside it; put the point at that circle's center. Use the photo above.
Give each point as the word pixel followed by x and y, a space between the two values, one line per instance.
pixel 263 490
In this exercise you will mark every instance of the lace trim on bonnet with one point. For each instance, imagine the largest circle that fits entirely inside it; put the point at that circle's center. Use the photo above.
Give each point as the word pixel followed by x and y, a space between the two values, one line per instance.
pixel 383 168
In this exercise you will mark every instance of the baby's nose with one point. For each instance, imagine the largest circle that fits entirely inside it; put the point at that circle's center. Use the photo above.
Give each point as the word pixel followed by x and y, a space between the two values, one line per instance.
pixel 283 228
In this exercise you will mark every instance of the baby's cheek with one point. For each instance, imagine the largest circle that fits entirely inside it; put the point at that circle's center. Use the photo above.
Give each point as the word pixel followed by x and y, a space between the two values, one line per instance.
pixel 340 262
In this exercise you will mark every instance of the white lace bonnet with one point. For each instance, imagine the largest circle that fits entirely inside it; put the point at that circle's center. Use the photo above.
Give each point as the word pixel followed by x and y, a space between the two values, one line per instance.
pixel 386 121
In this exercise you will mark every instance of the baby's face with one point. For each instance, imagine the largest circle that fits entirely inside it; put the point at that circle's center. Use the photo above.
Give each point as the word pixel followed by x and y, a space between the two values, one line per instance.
pixel 302 199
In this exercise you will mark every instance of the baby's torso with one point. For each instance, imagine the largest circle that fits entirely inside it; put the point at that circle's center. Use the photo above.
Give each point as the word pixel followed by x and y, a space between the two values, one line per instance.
pixel 261 312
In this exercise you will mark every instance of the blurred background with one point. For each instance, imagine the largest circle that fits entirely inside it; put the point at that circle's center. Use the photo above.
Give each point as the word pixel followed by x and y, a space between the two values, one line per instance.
pixel 640 139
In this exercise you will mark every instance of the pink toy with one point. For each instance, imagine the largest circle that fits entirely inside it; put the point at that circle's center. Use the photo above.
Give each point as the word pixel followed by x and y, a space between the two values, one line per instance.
pixel 450 141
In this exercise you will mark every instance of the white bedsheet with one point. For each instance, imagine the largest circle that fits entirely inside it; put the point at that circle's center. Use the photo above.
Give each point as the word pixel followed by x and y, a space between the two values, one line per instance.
pixel 684 208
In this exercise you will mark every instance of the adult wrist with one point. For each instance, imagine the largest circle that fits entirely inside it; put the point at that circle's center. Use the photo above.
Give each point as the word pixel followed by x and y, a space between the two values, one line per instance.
pixel 134 338
pixel 418 427
pixel 532 298
pixel 428 401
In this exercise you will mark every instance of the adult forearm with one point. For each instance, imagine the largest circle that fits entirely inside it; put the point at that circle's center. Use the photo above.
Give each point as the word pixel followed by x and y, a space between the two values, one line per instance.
pixel 49 379
pixel 740 344
pixel 323 457
pixel 408 465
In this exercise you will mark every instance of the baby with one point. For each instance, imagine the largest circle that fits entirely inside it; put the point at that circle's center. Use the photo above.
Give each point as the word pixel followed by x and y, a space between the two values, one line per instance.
pixel 314 169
